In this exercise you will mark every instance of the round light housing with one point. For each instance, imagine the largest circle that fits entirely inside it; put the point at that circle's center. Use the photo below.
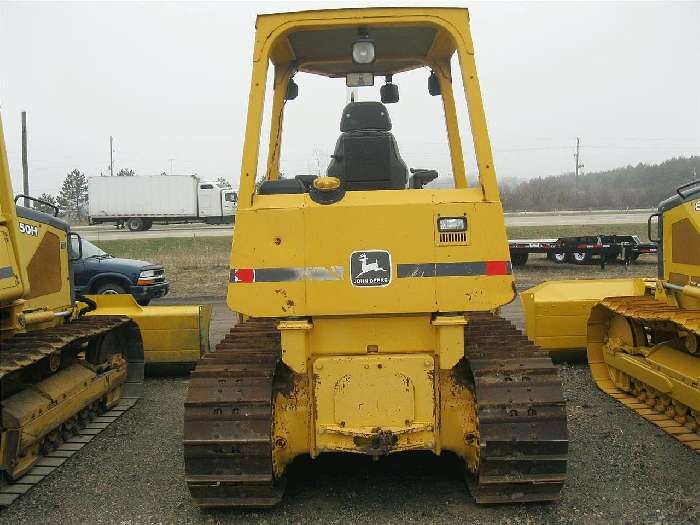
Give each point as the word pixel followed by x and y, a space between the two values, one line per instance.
pixel 363 52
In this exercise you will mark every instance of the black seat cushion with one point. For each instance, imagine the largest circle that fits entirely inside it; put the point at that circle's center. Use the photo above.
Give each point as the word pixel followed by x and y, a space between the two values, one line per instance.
pixel 365 115
pixel 281 186
pixel 366 155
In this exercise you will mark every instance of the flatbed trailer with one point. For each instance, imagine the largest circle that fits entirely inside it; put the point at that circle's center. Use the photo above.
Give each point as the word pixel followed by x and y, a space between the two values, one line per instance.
pixel 581 250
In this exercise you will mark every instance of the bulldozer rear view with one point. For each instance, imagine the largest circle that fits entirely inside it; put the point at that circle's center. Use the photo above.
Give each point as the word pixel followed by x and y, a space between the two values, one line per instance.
pixel 367 297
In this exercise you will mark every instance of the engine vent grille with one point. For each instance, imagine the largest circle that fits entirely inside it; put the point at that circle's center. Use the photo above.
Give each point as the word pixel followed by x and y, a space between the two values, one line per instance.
pixel 452 238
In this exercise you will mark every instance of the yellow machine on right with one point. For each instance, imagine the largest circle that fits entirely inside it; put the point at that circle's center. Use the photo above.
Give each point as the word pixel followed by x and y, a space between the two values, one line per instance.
pixel 642 347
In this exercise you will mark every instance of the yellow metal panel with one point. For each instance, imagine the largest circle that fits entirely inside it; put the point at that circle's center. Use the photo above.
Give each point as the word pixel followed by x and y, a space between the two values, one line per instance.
pixel 60 299
pixel 16 285
pixel 458 419
pixel 353 335
pixel 357 397
pixel 450 339
pixel 307 236
pixel 295 344
pixel 684 212
pixel 293 433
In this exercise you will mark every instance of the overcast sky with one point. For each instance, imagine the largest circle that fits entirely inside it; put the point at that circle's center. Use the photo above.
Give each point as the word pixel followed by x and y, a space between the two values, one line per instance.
pixel 170 81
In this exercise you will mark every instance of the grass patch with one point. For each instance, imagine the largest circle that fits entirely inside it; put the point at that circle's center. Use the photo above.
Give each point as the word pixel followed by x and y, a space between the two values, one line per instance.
pixel 194 266
pixel 568 230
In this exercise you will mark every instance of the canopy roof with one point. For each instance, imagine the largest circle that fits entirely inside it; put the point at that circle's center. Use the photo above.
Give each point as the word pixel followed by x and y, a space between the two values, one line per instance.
pixel 321 41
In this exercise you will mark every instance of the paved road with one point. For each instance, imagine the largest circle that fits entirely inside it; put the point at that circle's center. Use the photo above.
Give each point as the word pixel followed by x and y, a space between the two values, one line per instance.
pixel 108 232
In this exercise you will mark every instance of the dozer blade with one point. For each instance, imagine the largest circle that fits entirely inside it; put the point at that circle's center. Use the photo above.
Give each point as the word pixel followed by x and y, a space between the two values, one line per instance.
pixel 174 336
pixel 556 312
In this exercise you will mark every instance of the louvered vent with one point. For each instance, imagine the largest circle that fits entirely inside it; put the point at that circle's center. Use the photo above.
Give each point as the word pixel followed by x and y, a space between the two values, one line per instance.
pixel 453 238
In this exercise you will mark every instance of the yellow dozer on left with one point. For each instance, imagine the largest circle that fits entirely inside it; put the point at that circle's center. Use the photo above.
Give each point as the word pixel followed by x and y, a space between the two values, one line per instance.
pixel 65 360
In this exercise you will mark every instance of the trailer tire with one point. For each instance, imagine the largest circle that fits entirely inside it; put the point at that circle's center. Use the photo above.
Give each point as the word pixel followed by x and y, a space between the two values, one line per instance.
pixel 147 223
pixel 581 257
pixel 135 224
pixel 519 259
pixel 560 257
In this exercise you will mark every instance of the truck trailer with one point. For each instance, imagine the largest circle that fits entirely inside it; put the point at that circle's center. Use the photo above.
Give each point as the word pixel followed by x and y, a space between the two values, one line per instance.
pixel 138 202
pixel 582 249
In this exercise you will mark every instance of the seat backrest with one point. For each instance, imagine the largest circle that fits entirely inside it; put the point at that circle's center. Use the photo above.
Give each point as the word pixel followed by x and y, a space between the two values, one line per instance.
pixel 366 155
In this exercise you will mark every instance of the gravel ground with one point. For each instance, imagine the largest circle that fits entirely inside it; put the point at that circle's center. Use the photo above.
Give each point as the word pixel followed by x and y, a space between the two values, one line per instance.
pixel 621 470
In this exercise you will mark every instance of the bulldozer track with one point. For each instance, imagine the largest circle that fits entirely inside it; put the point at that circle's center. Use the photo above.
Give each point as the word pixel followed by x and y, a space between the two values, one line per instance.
pixel 228 418
pixel 523 435
pixel 648 310
pixel 33 349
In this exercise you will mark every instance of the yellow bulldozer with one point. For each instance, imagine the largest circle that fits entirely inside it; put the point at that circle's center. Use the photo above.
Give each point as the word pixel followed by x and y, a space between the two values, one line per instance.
pixel 58 367
pixel 368 300
pixel 63 359
pixel 641 335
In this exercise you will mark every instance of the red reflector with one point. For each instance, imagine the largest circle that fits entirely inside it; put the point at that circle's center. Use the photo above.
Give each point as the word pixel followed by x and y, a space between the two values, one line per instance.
pixel 244 275
pixel 497 268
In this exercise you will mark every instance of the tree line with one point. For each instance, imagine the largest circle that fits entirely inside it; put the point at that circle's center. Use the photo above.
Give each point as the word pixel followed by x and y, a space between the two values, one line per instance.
pixel 640 186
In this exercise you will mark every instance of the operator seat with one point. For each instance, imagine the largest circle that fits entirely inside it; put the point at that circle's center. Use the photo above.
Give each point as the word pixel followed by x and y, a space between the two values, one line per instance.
pixel 366 155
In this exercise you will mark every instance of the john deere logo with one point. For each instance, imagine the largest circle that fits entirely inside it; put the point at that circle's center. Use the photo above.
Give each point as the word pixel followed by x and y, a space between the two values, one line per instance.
pixel 370 268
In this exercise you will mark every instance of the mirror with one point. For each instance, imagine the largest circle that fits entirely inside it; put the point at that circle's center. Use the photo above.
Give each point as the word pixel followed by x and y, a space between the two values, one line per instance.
pixel 434 84
pixel 359 79
pixel 389 92
pixel 75 247
pixel 292 90
pixel 654 225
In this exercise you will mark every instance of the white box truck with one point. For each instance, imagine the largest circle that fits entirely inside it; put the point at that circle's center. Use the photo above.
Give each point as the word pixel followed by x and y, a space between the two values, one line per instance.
pixel 137 202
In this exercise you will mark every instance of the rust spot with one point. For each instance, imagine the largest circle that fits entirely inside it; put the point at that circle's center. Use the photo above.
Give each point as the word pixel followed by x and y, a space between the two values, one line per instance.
pixel 381 442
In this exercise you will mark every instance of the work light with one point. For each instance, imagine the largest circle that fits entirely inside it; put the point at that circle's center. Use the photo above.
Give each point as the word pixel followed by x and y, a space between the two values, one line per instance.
pixel 363 51
pixel 452 224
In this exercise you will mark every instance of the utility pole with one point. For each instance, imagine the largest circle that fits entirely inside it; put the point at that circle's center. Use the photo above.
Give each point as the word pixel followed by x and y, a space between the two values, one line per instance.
pixel 171 166
pixel 576 156
pixel 111 158
pixel 25 164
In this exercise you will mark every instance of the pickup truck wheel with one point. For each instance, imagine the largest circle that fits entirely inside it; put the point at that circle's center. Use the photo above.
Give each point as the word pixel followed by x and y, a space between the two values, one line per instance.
pixel 135 224
pixel 110 289
pixel 581 257
pixel 143 302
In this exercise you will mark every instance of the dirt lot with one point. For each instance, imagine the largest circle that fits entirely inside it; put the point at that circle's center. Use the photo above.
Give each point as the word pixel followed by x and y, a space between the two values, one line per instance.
pixel 621 468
